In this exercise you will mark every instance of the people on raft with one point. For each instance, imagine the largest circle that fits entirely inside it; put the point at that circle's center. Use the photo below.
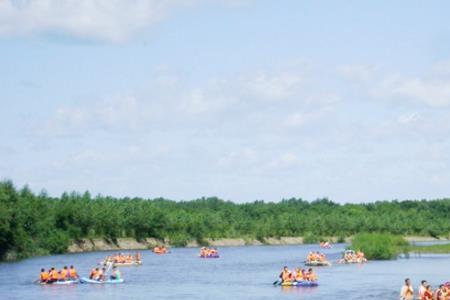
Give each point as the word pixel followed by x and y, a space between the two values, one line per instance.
pixel 115 274
pixel 351 256
pixel 299 275
pixel 100 274
pixel 53 275
pixel 325 244
pixel 209 252
pixel 316 257
pixel 160 250
pixel 121 258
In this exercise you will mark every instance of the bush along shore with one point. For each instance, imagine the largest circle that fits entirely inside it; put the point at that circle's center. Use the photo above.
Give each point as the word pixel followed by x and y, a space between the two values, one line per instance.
pixel 382 246
pixel 38 224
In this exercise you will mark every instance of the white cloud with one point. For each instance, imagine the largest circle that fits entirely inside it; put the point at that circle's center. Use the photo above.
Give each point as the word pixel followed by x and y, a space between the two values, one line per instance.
pixel 67 120
pixel 285 160
pixel 408 118
pixel 106 20
pixel 432 87
pixel 434 92
pixel 358 72
pixel 273 87
pixel 244 156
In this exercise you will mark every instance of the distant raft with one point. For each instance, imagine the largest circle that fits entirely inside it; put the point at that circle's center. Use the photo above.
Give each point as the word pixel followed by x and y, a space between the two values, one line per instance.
pixel 62 282
pixel 122 264
pixel 210 256
pixel 92 281
pixel 160 250
pixel 299 283
pixel 317 263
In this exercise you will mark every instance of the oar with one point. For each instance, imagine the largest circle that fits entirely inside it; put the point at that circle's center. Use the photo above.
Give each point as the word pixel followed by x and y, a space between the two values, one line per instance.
pixel 276 282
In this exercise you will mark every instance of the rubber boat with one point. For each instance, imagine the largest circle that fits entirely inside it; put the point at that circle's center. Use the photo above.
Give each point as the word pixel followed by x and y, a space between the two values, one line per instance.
pixel 352 261
pixel 65 282
pixel 109 281
pixel 158 250
pixel 126 264
pixel 210 256
pixel 317 263
pixel 299 283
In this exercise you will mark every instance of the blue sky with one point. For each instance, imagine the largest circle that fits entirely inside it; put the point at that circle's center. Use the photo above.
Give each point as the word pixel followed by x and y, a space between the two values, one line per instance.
pixel 238 99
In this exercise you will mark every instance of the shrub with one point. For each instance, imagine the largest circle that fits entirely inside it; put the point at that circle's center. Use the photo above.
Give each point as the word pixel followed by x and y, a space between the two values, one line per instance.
pixel 379 246
pixel 311 238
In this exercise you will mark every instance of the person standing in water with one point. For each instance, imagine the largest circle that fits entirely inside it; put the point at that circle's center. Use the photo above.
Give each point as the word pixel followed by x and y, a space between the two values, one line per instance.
pixel 422 289
pixel 407 291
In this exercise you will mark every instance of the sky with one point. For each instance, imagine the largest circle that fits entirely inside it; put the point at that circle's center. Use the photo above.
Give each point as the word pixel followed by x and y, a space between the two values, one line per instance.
pixel 240 99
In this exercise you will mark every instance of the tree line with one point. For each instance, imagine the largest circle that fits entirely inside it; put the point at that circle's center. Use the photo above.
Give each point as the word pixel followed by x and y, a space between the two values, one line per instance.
pixel 36 224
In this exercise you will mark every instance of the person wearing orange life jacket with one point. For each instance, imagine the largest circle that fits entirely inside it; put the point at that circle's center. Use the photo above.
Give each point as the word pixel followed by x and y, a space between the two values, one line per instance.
pixel 286 275
pixel 53 275
pixel 73 273
pixel 64 274
pixel 44 276
pixel 428 293
pixel 101 275
pixel 311 275
pixel 299 274
pixel 93 273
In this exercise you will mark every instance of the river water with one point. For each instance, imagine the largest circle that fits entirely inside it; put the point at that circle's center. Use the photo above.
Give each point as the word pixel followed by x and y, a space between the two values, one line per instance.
pixel 240 273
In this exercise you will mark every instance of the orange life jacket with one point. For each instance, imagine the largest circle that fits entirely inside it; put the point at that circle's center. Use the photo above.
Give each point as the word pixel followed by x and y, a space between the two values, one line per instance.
pixel 54 275
pixel 286 276
pixel 72 273
pixel 44 276
pixel 64 273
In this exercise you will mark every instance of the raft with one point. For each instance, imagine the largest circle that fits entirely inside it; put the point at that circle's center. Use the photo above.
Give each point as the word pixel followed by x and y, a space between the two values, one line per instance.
pixel 209 256
pixel 317 263
pixel 127 264
pixel 65 282
pixel 109 281
pixel 299 283
pixel 353 261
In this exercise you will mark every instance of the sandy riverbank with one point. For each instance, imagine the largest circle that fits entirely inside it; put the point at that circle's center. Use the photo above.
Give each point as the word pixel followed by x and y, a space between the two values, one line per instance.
pixel 131 244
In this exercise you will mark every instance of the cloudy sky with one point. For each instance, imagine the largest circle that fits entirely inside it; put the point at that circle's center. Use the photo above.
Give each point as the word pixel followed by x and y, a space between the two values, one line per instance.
pixel 240 99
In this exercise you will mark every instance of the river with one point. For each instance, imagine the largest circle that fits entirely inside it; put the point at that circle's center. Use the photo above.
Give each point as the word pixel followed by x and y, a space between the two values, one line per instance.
pixel 240 273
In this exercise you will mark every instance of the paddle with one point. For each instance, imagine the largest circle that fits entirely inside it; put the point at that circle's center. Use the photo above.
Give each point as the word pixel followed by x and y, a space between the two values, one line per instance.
pixel 276 282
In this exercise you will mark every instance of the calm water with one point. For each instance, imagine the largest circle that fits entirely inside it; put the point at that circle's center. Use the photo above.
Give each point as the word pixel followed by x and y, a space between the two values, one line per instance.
pixel 240 273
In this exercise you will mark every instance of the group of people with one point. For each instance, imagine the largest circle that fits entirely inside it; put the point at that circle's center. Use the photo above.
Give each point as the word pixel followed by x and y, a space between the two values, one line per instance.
pixel 208 252
pixel 160 250
pixel 425 291
pixel 316 256
pixel 351 256
pixel 298 275
pixel 120 258
pixel 53 275
pixel 101 274
pixel 325 244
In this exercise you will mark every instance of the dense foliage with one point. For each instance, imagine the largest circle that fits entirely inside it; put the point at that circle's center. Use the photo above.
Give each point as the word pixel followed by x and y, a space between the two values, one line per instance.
pixel 379 245
pixel 33 224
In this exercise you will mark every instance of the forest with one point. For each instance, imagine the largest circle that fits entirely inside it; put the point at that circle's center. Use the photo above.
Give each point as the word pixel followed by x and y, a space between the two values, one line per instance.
pixel 38 224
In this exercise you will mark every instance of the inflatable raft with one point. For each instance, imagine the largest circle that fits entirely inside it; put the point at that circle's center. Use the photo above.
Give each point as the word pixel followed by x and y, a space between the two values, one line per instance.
pixel 210 256
pixel 109 281
pixel 317 263
pixel 65 282
pixel 126 264
pixel 299 283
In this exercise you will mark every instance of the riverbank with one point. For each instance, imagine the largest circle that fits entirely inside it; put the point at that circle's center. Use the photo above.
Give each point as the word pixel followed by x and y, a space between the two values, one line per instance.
pixel 89 245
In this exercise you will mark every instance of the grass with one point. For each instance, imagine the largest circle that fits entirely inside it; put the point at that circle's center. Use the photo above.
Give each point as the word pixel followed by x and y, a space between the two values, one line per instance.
pixel 441 248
